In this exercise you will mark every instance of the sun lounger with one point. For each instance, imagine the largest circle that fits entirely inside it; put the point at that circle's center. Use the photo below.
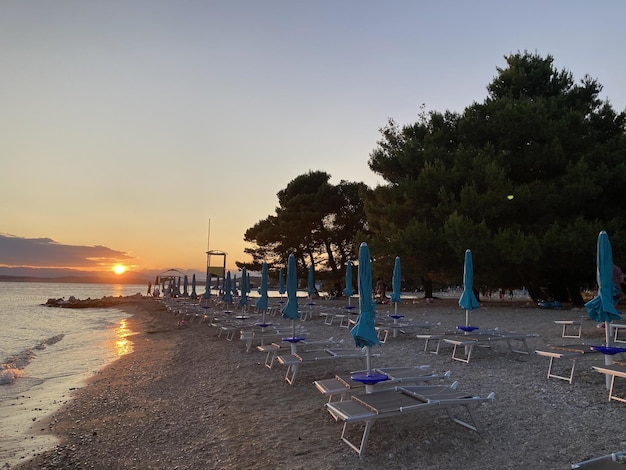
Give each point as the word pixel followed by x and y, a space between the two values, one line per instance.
pixel 615 328
pixel 571 352
pixel 274 349
pixel 614 461
pixel 470 341
pixel 261 336
pixel 573 325
pixel 343 385
pixel 613 370
pixel 294 361
pixel 367 408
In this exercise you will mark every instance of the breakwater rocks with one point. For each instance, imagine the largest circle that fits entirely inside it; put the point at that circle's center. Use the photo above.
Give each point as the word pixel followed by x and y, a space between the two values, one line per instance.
pixel 104 302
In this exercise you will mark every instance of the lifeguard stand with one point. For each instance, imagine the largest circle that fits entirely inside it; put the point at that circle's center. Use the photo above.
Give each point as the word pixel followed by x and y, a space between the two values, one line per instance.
pixel 216 270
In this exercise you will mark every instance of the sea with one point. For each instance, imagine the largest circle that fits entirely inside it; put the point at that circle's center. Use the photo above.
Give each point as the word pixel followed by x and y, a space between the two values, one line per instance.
pixel 46 352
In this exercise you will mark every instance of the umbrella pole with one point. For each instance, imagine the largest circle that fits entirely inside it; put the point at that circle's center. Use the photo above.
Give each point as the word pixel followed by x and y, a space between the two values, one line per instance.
pixel 368 359
pixel 467 348
pixel 608 358
pixel 294 348
pixel 395 305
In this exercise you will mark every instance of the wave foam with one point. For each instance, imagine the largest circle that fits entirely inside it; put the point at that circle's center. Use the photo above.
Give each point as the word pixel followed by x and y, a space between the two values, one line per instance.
pixel 12 367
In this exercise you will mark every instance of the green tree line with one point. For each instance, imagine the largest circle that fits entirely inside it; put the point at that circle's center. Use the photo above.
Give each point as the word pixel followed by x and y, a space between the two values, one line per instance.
pixel 525 179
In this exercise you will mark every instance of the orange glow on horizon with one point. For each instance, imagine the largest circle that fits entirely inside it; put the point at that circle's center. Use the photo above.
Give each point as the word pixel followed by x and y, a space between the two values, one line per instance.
pixel 119 269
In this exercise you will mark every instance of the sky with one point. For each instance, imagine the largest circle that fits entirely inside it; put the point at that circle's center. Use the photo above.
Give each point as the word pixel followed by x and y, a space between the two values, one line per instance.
pixel 145 132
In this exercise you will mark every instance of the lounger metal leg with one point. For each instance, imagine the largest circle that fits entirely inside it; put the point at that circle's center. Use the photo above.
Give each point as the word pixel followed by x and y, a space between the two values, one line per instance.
pixel 611 396
pixel 360 449
pixel 468 357
pixel 519 351
pixel 474 425
pixel 570 379
pixel 292 370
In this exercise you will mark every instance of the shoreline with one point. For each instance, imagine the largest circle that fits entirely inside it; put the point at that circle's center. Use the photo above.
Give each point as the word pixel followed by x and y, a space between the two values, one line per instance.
pixel 187 399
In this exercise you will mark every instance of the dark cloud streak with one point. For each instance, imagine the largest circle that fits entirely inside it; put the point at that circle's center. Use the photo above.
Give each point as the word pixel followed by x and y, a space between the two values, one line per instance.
pixel 45 252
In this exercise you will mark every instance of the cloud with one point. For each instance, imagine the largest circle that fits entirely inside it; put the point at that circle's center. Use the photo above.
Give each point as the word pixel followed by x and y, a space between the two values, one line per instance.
pixel 45 252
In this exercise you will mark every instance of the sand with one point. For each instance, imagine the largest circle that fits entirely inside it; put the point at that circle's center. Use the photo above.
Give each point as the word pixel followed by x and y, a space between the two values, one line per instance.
pixel 186 399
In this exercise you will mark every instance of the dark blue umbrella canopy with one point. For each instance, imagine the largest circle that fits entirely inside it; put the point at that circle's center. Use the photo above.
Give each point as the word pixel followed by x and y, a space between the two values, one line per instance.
pixel 396 280
pixel 348 291
pixel 281 282
pixel 243 299
pixel 602 307
pixel 364 331
pixel 311 282
pixel 228 291
pixel 262 302
pixel 290 310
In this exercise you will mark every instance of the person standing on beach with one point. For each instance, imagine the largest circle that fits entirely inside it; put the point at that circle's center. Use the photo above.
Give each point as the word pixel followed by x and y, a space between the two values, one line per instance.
pixel 381 290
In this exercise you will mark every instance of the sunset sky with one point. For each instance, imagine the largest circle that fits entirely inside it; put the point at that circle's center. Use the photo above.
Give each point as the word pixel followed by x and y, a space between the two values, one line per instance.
pixel 125 126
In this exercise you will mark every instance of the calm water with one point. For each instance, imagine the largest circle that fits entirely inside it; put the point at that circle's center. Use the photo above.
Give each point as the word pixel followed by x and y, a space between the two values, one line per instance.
pixel 46 352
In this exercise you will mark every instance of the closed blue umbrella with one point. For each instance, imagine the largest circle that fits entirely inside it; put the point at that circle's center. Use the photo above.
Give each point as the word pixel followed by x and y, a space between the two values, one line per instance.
pixel 602 307
pixel 281 282
pixel 290 310
pixel 186 287
pixel 243 299
pixel 194 294
pixel 468 299
pixel 235 285
pixel 311 282
pixel 395 283
pixel 262 302
pixel 228 292
pixel 207 285
pixel 364 331
pixel 348 291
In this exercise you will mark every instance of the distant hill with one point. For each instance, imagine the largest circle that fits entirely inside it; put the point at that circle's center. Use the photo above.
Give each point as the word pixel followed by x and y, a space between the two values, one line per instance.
pixel 78 279
pixel 21 274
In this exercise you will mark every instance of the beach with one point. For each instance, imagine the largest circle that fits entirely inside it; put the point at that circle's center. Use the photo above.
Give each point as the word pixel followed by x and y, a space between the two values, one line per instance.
pixel 187 399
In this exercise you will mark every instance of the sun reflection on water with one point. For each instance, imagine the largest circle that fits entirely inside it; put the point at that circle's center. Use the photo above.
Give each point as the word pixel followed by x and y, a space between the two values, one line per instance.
pixel 122 344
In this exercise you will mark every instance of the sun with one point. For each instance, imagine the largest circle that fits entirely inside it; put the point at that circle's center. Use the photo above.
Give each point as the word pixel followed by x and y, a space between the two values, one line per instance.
pixel 119 269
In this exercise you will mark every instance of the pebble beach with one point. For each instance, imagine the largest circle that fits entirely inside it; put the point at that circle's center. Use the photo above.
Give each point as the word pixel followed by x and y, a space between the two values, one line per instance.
pixel 188 399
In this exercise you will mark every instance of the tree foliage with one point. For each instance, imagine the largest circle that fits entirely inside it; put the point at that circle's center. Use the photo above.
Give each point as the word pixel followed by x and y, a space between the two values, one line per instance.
pixel 526 180
pixel 315 220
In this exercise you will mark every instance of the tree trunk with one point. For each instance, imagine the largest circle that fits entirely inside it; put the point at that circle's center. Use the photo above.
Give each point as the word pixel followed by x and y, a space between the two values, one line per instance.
pixel 428 288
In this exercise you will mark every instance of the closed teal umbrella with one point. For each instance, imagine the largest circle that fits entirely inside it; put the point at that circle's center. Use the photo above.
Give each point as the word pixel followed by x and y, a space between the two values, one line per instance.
pixel 281 282
pixel 228 291
pixel 186 286
pixel 194 294
pixel 207 285
pixel 262 301
pixel 311 282
pixel 290 310
pixel 395 283
pixel 348 291
pixel 468 299
pixel 243 298
pixel 602 307
pixel 364 331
